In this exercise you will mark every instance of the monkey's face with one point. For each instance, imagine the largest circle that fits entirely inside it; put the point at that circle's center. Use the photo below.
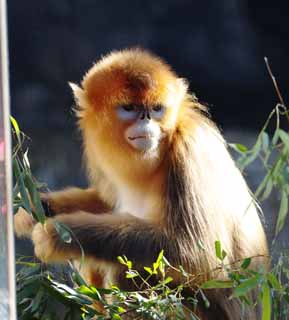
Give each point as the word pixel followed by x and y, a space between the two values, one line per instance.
pixel 130 118
pixel 129 104
pixel 143 131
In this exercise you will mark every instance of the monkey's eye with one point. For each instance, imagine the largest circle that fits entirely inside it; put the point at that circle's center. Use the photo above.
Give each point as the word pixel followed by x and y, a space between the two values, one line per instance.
pixel 128 107
pixel 158 111
pixel 127 112
pixel 157 108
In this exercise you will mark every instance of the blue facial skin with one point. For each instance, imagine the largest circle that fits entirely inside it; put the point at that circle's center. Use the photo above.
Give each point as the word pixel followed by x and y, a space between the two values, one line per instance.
pixel 127 113
pixel 157 112
pixel 132 112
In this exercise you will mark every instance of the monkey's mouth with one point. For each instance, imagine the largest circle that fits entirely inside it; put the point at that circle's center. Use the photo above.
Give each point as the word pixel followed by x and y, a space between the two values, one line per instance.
pixel 143 142
pixel 140 137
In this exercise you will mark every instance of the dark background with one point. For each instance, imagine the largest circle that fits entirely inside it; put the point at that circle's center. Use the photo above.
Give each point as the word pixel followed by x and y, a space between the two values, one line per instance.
pixel 218 45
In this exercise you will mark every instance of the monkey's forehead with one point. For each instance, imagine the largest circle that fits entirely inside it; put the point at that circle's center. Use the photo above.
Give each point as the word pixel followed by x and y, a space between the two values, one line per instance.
pixel 133 75
pixel 132 60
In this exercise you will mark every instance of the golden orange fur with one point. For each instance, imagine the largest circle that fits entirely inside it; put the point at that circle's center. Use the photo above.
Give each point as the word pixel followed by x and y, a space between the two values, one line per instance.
pixel 185 193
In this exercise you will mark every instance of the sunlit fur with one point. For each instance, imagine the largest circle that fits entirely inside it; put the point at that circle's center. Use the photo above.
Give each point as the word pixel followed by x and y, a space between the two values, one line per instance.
pixel 189 190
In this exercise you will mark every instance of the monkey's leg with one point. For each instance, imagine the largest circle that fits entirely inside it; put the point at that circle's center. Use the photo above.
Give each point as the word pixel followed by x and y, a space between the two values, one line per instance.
pixel 93 275
pixel 71 200
pixel 104 237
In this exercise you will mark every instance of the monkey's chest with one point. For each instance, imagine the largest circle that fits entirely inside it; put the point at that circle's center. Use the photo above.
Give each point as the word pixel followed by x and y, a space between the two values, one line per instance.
pixel 134 203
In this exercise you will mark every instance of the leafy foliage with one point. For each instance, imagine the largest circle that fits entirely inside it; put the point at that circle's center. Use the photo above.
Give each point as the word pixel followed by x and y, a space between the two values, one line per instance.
pixel 274 156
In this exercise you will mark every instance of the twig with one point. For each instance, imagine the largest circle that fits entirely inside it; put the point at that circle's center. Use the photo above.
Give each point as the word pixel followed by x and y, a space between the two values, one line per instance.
pixel 274 81
pixel 280 97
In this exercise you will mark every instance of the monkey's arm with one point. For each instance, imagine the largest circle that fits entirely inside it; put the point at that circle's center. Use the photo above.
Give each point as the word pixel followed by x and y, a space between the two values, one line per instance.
pixel 104 237
pixel 66 201
pixel 73 200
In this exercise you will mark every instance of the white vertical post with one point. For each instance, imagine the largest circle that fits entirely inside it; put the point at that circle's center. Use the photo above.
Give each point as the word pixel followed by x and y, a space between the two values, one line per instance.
pixel 7 256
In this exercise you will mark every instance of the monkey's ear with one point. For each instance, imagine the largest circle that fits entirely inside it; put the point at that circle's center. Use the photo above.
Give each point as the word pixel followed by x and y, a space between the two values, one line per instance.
pixel 182 85
pixel 79 97
pixel 78 93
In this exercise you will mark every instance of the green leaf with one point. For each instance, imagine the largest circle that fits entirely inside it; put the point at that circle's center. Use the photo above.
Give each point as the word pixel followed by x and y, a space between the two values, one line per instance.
pixel 266 302
pixel 275 137
pixel 246 301
pixel 63 231
pixel 193 301
pixel 278 166
pixel 183 272
pixel 35 197
pixel 218 249
pixel 268 189
pixel 283 212
pixel 274 281
pixel 149 270
pixel 263 184
pixel 265 141
pixel 16 129
pixel 167 280
pixel 220 253
pixel 158 261
pixel 131 274
pixel 91 292
pixel 254 152
pixel 200 245
pixel 120 309
pixel 246 262
pixel 124 260
pixel 246 286
pixel 37 300
pixel 121 260
pixel 240 148
pixel 77 278
pixel 160 257
pixel 129 264
pixel 20 181
pixel 205 299
pixel 284 136
pixel 213 284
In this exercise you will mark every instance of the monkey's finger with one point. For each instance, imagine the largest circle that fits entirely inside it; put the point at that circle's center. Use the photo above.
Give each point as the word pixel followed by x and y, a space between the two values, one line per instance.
pixel 23 223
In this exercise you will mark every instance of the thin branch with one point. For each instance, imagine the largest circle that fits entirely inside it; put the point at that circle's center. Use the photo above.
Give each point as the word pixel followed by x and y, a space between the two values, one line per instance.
pixel 280 97
pixel 274 81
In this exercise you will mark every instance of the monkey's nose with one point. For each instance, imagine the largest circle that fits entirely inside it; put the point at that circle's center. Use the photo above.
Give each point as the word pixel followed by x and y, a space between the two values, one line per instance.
pixel 145 115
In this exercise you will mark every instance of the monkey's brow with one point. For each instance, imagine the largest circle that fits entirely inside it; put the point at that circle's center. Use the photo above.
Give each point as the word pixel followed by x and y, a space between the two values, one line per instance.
pixel 142 105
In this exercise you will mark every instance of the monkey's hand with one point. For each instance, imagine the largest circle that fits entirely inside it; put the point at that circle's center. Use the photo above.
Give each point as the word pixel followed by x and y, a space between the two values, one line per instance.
pixel 104 236
pixel 48 246
pixel 23 223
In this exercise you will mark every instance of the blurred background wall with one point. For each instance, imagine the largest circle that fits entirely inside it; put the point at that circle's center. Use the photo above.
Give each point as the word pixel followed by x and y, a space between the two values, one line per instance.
pixel 217 45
